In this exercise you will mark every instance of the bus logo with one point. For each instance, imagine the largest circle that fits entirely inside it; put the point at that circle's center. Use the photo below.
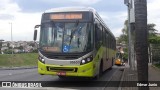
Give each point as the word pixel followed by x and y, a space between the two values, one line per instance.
pixel 74 62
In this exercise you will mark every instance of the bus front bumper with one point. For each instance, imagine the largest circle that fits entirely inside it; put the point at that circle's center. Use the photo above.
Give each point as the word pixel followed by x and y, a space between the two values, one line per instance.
pixel 86 70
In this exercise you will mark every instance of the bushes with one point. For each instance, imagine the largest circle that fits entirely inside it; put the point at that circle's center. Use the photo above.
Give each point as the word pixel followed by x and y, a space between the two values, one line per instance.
pixel 7 51
pixel 155 53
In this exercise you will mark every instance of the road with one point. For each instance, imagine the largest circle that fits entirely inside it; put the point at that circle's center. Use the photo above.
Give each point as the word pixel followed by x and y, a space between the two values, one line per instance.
pixel 32 75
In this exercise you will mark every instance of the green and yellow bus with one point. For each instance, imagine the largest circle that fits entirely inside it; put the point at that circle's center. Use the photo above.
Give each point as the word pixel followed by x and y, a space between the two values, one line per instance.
pixel 74 41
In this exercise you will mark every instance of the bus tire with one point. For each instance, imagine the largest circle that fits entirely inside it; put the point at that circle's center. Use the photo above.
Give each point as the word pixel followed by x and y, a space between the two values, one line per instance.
pixel 111 65
pixel 100 71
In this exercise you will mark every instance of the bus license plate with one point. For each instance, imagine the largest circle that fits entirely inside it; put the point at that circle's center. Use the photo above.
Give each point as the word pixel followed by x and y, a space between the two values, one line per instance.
pixel 61 73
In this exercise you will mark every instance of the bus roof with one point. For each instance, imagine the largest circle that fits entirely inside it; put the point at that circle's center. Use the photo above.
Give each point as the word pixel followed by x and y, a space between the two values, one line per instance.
pixel 69 9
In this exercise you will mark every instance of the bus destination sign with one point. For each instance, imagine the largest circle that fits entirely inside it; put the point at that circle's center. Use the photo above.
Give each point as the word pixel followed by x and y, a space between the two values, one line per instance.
pixel 66 16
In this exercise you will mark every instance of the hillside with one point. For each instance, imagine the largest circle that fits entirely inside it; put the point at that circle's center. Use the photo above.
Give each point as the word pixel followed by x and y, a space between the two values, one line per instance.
pixel 25 59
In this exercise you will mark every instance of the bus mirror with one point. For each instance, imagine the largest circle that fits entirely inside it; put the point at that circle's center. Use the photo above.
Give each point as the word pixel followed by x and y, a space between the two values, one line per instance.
pixel 35 35
pixel 37 26
pixel 35 32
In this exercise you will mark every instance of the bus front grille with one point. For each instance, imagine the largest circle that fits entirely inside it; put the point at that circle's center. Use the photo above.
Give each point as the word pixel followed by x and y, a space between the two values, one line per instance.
pixel 66 69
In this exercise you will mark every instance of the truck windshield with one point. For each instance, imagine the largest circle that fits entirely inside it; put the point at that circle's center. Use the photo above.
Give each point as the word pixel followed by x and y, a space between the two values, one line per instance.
pixel 66 37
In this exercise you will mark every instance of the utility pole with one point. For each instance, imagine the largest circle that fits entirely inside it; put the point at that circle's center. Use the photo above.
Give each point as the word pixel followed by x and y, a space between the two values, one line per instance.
pixel 11 37
pixel 141 41
pixel 131 60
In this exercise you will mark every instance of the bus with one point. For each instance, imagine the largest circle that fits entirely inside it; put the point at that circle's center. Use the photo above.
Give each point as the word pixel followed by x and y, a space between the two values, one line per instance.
pixel 74 41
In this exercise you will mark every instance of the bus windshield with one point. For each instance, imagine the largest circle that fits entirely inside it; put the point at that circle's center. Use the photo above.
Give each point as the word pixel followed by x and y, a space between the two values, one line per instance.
pixel 66 37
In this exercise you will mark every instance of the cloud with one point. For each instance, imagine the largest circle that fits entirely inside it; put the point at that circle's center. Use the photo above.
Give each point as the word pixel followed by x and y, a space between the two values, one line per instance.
pixel 6 17
pixel 78 2
pixel 8 7
pixel 153 9
pixel 31 6
pixel 86 2
pixel 22 23
pixel 114 20
pixel 22 26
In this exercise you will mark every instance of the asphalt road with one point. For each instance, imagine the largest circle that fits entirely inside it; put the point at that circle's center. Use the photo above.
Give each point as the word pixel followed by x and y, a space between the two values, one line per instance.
pixel 32 75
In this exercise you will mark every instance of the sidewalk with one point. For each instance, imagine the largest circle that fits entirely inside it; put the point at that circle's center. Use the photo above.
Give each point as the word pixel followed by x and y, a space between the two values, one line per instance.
pixel 129 75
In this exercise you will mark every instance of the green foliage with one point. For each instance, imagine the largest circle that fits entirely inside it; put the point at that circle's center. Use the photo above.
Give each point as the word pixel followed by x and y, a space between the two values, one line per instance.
pixel 151 29
pixel 125 53
pixel 156 53
pixel 157 65
pixel 35 51
pixel 7 51
pixel 154 40
pixel 123 38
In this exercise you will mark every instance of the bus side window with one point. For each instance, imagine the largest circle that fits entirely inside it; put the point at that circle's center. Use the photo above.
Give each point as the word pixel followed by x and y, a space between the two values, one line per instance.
pixel 104 37
pixel 98 35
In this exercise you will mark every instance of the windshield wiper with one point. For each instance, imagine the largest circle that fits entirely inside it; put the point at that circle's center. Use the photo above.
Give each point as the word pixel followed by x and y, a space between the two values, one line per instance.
pixel 72 33
pixel 55 31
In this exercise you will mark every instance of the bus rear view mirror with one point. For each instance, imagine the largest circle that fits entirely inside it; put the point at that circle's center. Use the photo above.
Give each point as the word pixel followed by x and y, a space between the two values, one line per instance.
pixel 35 35
pixel 35 32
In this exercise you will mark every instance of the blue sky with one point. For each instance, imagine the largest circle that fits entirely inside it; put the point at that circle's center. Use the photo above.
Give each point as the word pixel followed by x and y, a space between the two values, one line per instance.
pixel 24 14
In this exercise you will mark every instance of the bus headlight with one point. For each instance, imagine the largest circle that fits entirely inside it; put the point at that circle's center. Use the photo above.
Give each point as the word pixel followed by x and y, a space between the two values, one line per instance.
pixel 83 61
pixel 41 59
pixel 86 60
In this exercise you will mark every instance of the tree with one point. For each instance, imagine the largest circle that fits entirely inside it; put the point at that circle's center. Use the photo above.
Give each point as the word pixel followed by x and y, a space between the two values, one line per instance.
pixel 124 36
pixel 141 39
pixel 153 39
pixel 151 29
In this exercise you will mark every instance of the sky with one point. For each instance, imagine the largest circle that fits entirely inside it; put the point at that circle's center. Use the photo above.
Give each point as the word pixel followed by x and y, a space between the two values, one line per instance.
pixel 25 14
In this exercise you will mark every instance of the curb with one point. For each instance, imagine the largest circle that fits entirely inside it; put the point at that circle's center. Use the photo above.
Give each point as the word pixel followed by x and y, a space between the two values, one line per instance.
pixel 17 68
pixel 155 67
pixel 119 87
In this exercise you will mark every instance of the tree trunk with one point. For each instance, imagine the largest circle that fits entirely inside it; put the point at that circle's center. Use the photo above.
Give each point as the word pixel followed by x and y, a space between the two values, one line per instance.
pixel 141 41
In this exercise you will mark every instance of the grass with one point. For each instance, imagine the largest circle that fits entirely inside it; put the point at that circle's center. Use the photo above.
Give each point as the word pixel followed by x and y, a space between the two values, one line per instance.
pixel 157 65
pixel 25 59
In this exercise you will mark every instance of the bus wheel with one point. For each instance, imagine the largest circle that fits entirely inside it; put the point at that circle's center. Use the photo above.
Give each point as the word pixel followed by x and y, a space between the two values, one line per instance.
pixel 111 65
pixel 100 71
